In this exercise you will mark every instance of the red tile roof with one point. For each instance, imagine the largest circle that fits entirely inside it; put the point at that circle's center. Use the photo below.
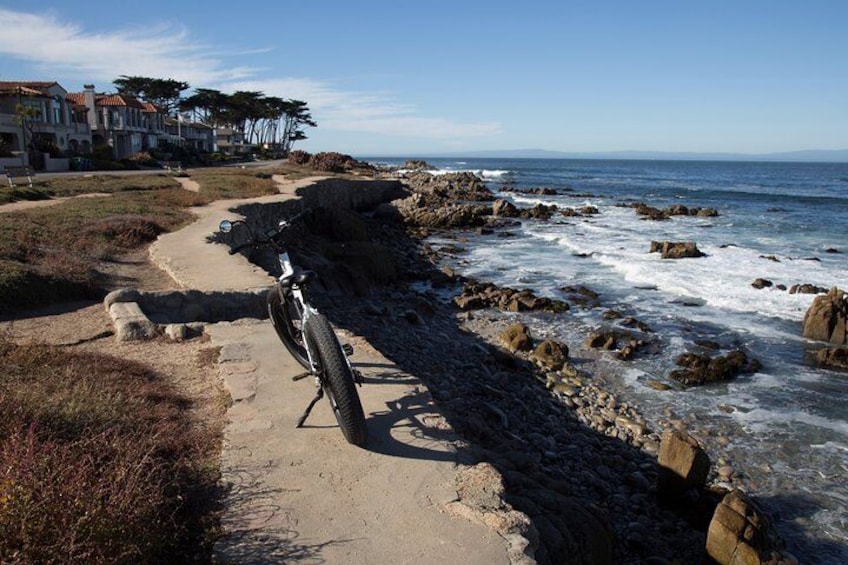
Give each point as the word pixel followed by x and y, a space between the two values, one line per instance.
pixel 76 97
pixel 35 85
pixel 117 100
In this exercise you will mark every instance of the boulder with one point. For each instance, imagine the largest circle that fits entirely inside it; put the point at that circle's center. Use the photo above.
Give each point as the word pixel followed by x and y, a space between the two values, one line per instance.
pixel 650 213
pixel 417 164
pixel 550 355
pixel 702 369
pixel 806 288
pixel 539 212
pixel 827 318
pixel 504 209
pixel 762 283
pixel 740 534
pixel 602 340
pixel 833 358
pixel 517 338
pixel 683 464
pixel 676 250
pixel 677 210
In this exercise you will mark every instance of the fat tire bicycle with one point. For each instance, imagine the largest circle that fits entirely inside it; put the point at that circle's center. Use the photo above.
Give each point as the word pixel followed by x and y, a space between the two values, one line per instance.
pixel 307 334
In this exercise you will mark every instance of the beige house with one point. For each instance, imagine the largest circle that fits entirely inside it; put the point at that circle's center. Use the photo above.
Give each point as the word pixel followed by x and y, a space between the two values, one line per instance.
pixel 41 122
pixel 41 125
pixel 124 123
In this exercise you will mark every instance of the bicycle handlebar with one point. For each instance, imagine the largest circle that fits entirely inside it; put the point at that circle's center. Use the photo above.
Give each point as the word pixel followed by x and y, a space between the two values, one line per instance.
pixel 255 240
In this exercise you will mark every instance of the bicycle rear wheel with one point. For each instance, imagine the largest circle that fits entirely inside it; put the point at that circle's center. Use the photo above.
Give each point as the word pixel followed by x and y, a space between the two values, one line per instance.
pixel 336 378
pixel 287 320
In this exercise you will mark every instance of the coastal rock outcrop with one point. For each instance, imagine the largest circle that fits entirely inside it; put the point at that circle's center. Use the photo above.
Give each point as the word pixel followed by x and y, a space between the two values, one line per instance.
pixel 702 369
pixel 505 209
pixel 684 464
pixel 740 534
pixel 652 213
pixel 676 250
pixel 480 498
pixel 827 318
pixel 806 288
pixel 833 357
pixel 486 295
pixel 761 283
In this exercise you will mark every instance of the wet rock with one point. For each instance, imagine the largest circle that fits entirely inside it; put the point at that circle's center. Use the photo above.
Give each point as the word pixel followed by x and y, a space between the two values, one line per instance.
pixel 762 283
pixel 505 209
pixel 508 299
pixel 827 318
pixel 833 358
pixel 539 212
pixel 806 288
pixel 650 213
pixel 676 250
pixel 581 295
pixel 702 369
pixel 602 340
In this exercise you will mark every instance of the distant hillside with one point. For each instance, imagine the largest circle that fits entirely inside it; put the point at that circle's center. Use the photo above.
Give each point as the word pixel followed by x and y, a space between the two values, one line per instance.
pixel 829 156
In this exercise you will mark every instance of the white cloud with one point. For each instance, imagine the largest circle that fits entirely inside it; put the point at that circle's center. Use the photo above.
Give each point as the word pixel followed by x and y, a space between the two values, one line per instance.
pixel 139 51
pixel 73 52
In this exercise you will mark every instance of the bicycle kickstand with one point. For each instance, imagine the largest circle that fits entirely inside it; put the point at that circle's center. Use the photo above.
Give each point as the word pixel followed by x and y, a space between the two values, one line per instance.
pixel 318 396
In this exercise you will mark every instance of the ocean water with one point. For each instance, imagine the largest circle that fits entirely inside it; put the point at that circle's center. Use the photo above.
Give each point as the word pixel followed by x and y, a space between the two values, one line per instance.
pixel 785 428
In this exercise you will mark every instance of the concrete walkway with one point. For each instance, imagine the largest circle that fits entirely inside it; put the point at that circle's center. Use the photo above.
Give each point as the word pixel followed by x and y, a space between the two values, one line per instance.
pixel 305 495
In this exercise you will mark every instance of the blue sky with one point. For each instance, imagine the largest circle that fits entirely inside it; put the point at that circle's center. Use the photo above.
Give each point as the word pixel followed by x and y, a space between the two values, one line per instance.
pixel 449 76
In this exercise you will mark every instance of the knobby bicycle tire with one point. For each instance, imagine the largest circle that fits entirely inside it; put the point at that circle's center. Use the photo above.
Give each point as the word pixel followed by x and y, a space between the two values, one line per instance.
pixel 336 378
pixel 288 332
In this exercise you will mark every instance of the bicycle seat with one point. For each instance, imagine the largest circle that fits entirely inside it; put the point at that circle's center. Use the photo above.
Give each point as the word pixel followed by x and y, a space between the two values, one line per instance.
pixel 298 277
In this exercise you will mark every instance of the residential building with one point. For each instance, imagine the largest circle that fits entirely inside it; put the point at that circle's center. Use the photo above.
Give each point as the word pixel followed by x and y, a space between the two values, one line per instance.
pixel 231 141
pixel 38 118
pixel 122 122
pixel 186 133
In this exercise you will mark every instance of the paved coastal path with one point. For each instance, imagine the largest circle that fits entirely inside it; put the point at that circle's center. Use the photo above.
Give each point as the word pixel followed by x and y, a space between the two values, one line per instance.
pixel 305 495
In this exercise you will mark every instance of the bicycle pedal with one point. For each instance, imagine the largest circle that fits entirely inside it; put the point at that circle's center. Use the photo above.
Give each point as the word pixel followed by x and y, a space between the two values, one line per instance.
pixel 348 349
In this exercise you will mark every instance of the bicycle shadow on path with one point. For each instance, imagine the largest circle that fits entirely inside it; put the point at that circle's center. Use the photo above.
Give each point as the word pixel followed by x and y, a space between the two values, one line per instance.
pixel 306 495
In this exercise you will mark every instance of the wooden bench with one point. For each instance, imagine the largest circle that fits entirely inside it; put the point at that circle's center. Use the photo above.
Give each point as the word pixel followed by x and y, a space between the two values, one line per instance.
pixel 174 166
pixel 13 173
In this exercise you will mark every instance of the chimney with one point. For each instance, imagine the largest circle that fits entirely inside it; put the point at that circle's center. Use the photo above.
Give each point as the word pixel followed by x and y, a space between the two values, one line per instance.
pixel 88 97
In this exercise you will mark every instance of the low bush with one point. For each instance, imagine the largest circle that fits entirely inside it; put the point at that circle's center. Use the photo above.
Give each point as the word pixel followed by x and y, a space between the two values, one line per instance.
pixel 52 254
pixel 99 462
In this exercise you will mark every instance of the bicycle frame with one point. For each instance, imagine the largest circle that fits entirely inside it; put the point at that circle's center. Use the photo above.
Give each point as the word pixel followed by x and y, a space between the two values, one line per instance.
pixel 314 344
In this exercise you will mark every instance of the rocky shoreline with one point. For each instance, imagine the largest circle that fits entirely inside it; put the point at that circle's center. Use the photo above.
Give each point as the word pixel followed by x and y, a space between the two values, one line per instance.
pixel 580 463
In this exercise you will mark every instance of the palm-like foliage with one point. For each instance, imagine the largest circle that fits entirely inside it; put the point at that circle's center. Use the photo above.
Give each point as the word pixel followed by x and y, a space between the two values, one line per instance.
pixel 268 121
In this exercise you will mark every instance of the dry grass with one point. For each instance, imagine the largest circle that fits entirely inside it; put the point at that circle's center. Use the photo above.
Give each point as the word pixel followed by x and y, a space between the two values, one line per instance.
pixel 100 459
pixel 233 182
pixel 99 462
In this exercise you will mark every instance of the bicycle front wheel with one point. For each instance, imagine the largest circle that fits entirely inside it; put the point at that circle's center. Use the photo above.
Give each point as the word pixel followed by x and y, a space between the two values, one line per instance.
pixel 336 378
pixel 286 320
